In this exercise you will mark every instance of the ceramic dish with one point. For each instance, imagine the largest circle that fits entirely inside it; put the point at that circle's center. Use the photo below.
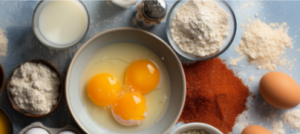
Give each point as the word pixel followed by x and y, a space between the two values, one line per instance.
pixel 11 125
pixel 196 126
pixel 50 130
pixel 61 89
pixel 227 43
pixel 2 77
pixel 135 36
pixel 39 35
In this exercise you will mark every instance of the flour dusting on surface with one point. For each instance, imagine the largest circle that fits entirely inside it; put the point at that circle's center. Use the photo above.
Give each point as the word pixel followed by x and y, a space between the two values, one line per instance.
pixel 277 127
pixel 3 44
pixel 234 62
pixel 292 118
pixel 264 44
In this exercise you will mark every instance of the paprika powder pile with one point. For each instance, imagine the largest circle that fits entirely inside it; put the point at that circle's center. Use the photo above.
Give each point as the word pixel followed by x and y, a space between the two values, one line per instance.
pixel 214 95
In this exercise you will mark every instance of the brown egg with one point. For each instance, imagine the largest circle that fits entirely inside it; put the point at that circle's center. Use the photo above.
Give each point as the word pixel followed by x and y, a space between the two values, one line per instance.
pixel 253 129
pixel 280 90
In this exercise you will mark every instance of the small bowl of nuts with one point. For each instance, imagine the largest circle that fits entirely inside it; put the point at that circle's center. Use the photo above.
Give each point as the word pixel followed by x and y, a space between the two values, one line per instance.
pixel 196 128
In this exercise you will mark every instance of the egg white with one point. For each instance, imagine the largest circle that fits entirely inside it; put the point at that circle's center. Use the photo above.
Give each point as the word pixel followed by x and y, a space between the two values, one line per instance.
pixel 130 122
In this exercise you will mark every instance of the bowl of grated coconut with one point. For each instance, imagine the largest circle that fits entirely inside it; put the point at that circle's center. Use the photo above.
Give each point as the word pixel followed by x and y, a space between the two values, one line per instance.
pixel 35 88
pixel 200 29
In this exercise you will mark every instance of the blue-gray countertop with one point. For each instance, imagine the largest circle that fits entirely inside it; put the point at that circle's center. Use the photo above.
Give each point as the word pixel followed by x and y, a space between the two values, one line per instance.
pixel 16 18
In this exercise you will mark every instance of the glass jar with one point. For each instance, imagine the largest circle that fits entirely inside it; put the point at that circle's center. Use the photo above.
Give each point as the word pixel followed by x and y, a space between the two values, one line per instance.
pixel 151 12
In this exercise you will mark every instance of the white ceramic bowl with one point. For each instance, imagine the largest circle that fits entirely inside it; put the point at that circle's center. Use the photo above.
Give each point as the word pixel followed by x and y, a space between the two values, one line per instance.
pixel 44 40
pixel 227 43
pixel 196 126
pixel 126 35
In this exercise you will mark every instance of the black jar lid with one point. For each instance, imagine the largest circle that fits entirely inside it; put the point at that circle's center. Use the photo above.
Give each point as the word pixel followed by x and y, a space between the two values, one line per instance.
pixel 154 9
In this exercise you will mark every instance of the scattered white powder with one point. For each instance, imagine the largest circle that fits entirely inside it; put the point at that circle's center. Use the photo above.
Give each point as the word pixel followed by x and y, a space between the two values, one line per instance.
pixel 251 78
pixel 292 118
pixel 3 44
pixel 249 20
pixel 274 24
pixel 264 45
pixel 200 27
pixel 233 62
pixel 277 128
pixel 34 88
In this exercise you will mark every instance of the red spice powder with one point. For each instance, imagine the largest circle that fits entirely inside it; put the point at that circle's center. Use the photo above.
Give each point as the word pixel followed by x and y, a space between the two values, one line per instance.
pixel 214 95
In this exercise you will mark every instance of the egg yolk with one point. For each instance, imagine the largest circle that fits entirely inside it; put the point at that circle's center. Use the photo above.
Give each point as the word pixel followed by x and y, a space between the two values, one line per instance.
pixel 103 89
pixel 131 106
pixel 142 76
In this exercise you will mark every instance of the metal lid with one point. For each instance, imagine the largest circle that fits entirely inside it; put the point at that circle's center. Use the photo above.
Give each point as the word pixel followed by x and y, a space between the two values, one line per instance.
pixel 154 9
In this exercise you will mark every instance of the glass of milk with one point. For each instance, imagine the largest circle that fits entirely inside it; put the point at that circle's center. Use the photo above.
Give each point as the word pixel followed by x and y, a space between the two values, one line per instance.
pixel 60 23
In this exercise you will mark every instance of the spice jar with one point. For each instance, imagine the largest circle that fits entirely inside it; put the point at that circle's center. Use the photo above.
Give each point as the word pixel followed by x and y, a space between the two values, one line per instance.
pixel 151 12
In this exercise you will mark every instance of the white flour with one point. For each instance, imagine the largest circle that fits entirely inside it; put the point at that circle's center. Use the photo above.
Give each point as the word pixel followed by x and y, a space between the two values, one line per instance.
pixel 200 27
pixel 263 45
pixel 277 128
pixel 292 118
pixel 34 88
pixel 234 62
pixel 3 44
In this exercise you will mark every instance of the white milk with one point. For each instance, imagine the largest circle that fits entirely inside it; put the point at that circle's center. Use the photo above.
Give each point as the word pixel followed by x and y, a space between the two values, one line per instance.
pixel 63 22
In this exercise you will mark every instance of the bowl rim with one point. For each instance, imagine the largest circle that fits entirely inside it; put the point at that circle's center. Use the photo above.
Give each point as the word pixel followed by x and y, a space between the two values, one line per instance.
pixel 125 29
pixel 10 121
pixel 197 58
pixel 3 77
pixel 61 89
pixel 188 126
pixel 51 46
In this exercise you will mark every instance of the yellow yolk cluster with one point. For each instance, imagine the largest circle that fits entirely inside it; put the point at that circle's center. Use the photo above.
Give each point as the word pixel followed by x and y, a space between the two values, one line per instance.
pixel 142 76
pixel 103 89
pixel 129 108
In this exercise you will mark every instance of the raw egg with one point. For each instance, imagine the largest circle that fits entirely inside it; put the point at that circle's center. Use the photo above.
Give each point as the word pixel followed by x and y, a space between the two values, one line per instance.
pixel 142 76
pixel 130 109
pixel 103 89
pixel 280 90
pixel 116 60
pixel 254 129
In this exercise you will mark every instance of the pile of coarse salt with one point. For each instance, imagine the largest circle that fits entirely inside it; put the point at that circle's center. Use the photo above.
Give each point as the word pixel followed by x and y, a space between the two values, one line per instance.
pixel 264 44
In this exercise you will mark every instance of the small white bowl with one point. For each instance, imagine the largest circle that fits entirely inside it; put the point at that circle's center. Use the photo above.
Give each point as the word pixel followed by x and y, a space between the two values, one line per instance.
pixel 38 33
pixel 196 126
